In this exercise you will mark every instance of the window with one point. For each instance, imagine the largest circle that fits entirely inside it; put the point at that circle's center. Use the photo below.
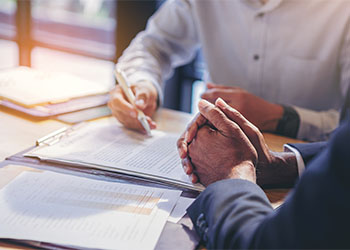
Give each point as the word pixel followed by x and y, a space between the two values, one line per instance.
pixel 8 48
pixel 82 37
pixel 85 27
pixel 76 36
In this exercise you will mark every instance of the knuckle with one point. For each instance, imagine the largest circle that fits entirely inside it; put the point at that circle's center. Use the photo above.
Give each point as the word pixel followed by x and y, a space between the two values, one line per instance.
pixel 213 112
pixel 255 130
pixel 180 142
pixel 202 132
pixel 234 112
pixel 234 127
pixel 205 95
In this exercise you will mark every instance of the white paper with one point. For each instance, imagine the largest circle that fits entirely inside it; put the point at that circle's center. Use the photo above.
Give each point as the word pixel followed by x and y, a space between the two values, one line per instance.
pixel 75 211
pixel 180 209
pixel 30 86
pixel 105 143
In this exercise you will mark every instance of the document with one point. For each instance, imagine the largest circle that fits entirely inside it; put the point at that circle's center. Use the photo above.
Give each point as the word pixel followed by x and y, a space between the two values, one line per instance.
pixel 29 87
pixel 106 145
pixel 180 209
pixel 79 212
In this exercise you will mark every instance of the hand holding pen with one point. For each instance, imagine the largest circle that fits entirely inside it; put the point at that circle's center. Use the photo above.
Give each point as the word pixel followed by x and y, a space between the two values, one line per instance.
pixel 133 104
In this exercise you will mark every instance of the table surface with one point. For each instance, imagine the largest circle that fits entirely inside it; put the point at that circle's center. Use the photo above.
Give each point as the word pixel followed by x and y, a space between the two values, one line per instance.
pixel 19 132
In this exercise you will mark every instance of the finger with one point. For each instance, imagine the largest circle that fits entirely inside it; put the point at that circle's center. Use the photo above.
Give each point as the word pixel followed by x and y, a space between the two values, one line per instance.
pixel 187 165
pixel 118 103
pixel 220 121
pixel 127 121
pixel 232 113
pixel 125 112
pixel 141 97
pixel 145 95
pixel 189 134
pixel 211 85
pixel 133 123
pixel 247 127
pixel 252 132
pixel 194 178
pixel 212 94
pixel 194 126
pixel 152 124
pixel 182 146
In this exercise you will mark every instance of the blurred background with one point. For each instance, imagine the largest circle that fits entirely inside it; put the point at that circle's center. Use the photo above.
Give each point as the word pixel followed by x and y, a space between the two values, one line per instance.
pixel 86 38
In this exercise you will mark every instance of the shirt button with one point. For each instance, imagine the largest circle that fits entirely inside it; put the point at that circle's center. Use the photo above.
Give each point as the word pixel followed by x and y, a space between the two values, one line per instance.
pixel 256 57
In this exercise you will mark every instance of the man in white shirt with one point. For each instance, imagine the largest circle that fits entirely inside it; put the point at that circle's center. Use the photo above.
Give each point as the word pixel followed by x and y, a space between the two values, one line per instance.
pixel 287 61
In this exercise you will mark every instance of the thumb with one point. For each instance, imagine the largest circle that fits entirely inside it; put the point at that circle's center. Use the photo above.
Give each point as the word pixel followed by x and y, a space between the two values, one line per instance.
pixel 217 118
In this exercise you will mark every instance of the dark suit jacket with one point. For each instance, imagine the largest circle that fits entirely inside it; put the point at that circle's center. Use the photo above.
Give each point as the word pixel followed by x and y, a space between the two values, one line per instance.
pixel 237 213
pixel 309 150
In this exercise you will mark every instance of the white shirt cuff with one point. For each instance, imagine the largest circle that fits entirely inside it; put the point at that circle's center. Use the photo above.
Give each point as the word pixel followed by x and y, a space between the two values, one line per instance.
pixel 316 125
pixel 300 161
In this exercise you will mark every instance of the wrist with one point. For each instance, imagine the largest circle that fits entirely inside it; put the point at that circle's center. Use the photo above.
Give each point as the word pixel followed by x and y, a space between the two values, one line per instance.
pixel 288 124
pixel 281 171
pixel 244 171
pixel 275 115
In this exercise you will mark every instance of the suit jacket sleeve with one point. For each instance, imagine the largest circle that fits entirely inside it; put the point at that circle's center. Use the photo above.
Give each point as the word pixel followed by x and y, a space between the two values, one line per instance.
pixel 237 214
pixel 309 150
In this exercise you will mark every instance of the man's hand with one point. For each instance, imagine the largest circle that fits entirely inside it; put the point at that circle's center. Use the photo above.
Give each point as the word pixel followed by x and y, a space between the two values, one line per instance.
pixel 274 169
pixel 145 100
pixel 263 114
pixel 184 141
pixel 221 150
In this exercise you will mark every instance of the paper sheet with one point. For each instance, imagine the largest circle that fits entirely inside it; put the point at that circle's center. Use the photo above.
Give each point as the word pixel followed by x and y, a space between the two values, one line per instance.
pixel 75 211
pixel 180 209
pixel 105 143
pixel 29 86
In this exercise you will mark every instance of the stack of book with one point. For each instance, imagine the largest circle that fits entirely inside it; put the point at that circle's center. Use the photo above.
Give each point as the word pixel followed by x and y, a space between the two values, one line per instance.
pixel 51 94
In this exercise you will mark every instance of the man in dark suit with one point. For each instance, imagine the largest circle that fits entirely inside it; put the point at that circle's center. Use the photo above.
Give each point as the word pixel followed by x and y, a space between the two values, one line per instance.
pixel 233 212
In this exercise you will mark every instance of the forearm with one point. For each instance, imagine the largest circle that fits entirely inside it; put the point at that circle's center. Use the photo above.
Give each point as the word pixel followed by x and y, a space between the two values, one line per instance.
pixel 155 51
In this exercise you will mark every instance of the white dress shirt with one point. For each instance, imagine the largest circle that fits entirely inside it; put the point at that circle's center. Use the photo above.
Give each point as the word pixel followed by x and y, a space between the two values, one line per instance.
pixel 292 52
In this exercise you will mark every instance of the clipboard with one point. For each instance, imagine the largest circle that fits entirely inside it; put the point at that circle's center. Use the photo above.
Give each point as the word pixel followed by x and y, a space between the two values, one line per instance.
pixel 93 168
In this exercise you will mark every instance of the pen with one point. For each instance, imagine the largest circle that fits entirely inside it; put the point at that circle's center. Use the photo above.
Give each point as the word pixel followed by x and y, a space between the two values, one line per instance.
pixel 124 84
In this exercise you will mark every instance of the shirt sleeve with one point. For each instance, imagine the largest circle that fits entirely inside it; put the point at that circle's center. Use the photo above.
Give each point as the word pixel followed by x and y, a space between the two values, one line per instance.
pixel 316 125
pixel 299 158
pixel 170 40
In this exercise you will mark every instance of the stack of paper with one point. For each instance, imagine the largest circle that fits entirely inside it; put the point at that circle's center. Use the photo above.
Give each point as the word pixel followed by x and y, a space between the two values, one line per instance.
pixel 43 94
pixel 74 211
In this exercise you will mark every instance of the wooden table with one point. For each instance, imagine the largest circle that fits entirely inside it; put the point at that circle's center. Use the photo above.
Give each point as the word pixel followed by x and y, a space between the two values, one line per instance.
pixel 18 132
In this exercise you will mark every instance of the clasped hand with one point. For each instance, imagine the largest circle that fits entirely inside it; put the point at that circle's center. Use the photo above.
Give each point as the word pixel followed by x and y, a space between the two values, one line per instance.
pixel 220 143
pixel 214 147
